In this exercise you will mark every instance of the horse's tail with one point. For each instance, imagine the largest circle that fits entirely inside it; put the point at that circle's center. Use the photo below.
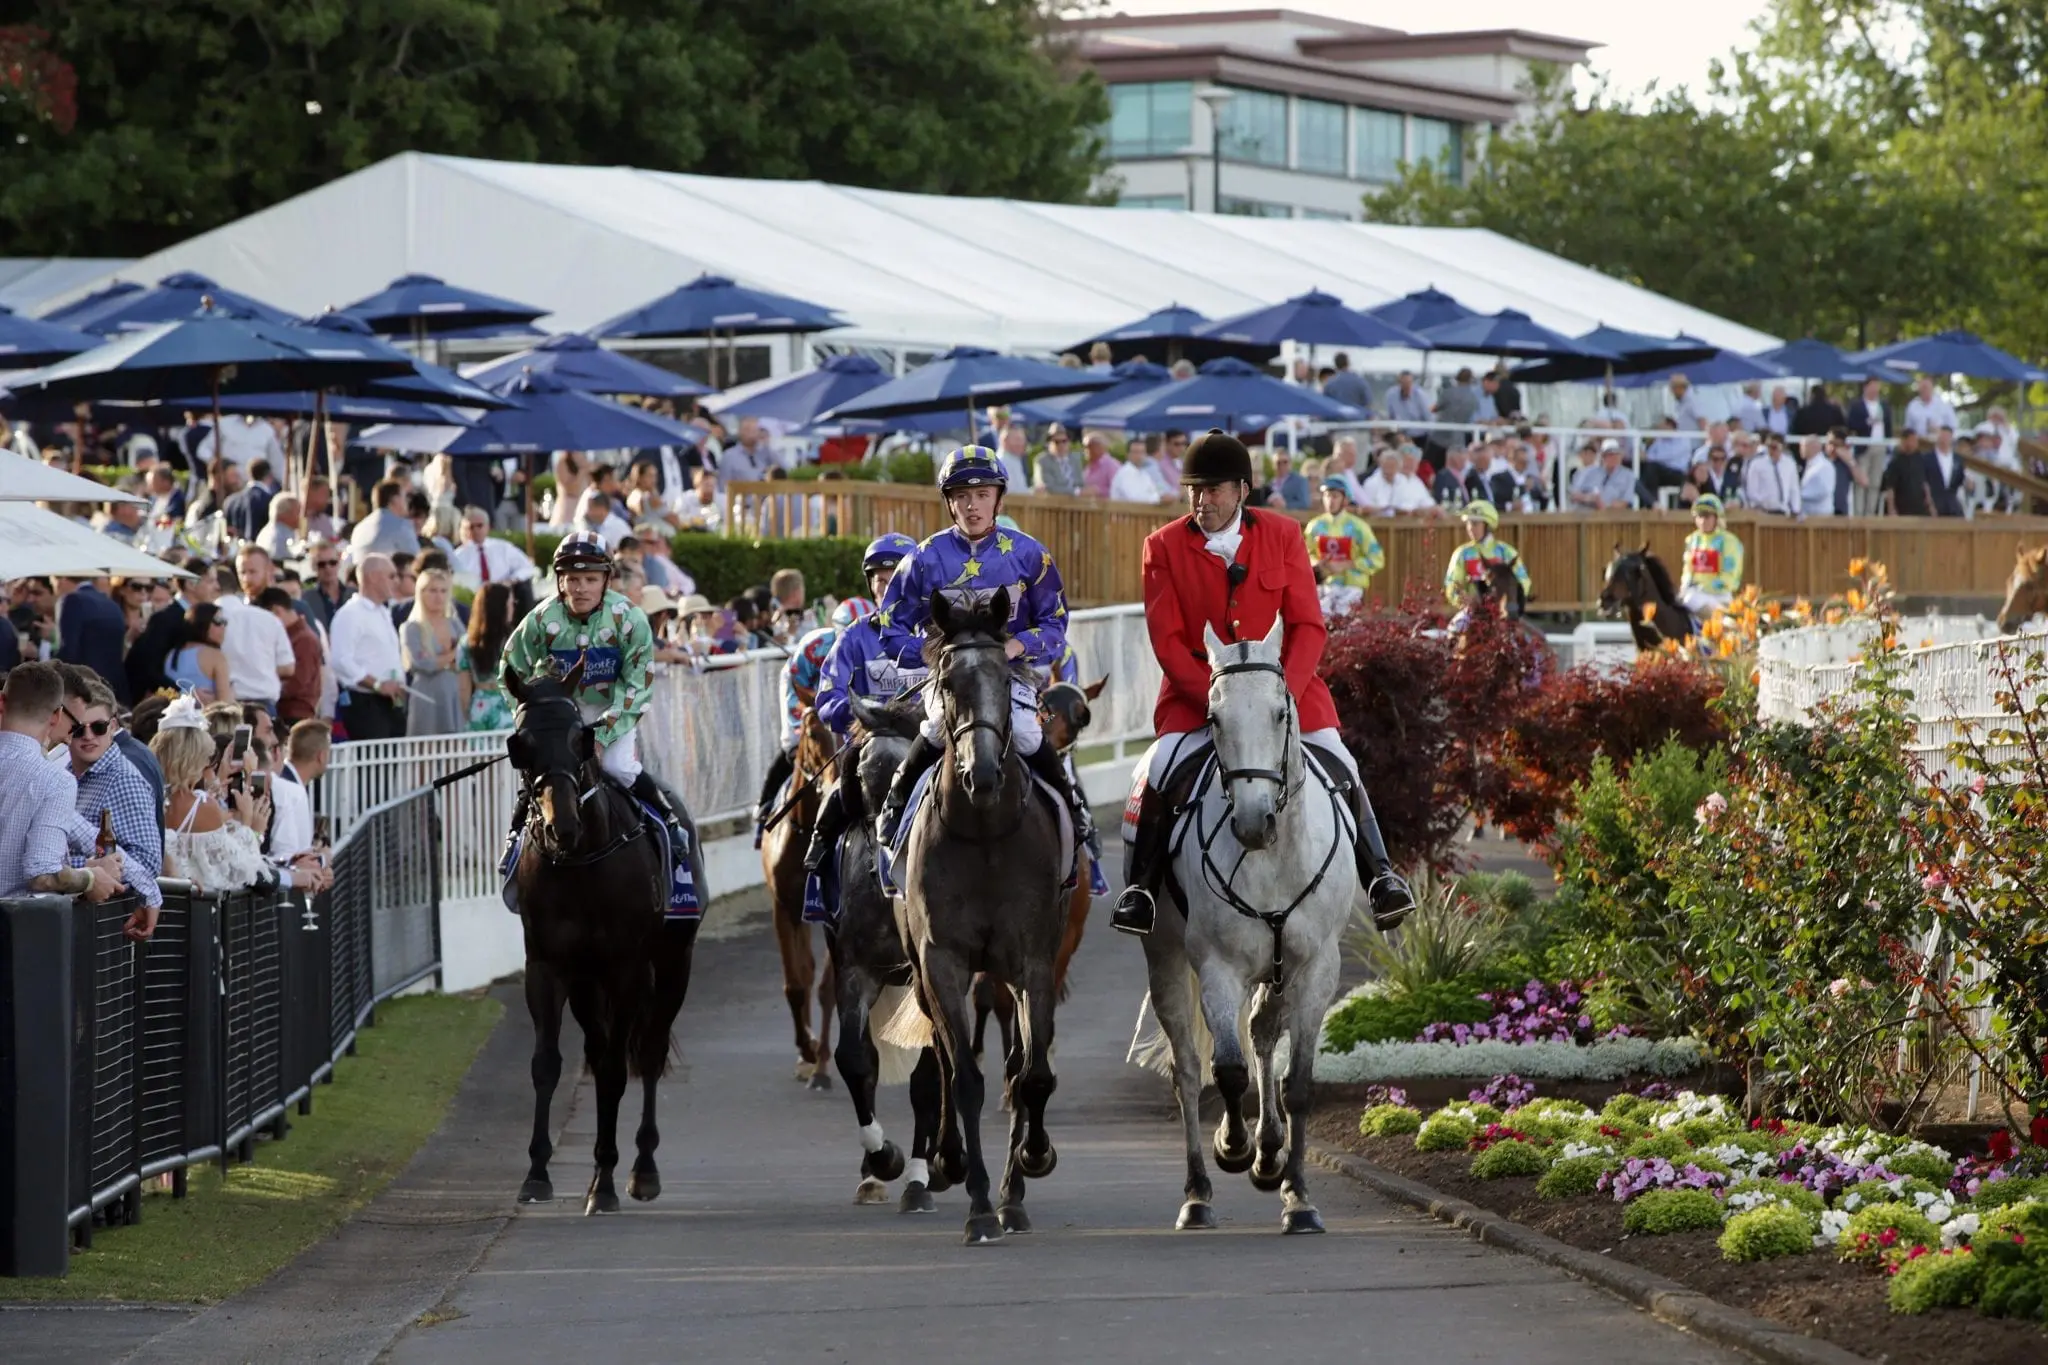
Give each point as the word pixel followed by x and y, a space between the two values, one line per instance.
pixel 1153 1050
pixel 896 1060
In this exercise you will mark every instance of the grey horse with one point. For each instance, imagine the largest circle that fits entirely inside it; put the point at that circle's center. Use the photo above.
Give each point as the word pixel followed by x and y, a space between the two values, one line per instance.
pixel 1267 879
pixel 981 877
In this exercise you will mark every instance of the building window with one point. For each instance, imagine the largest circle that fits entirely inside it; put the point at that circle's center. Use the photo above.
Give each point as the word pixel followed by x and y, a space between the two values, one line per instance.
pixel 1326 215
pixel 1380 152
pixel 1440 144
pixel 1319 133
pixel 1254 127
pixel 1152 201
pixel 1255 208
pixel 1151 120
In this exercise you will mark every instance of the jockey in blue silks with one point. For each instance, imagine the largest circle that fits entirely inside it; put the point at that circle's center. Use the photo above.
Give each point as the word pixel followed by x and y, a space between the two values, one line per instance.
pixel 976 553
pixel 859 665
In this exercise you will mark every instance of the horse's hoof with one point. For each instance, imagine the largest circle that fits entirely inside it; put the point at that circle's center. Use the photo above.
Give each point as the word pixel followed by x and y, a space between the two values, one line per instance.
pixel 1039 1167
pixel 1236 1163
pixel 804 1072
pixel 537 1192
pixel 951 1167
pixel 645 1186
pixel 1013 1218
pixel 916 1199
pixel 821 1079
pixel 1195 1216
pixel 1301 1220
pixel 871 1191
pixel 885 1163
pixel 1266 1180
pixel 984 1228
pixel 601 1201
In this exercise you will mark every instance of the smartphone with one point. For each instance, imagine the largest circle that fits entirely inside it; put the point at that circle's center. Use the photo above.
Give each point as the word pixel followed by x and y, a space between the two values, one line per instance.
pixel 239 745
pixel 259 785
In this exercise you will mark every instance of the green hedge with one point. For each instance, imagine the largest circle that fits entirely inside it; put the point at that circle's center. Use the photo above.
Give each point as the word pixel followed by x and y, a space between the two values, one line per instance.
pixel 726 566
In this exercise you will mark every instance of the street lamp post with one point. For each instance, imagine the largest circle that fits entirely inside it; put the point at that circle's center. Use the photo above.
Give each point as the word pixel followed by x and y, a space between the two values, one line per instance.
pixel 1213 98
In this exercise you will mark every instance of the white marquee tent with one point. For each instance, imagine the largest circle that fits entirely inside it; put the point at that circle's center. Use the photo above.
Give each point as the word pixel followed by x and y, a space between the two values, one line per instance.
pixel 909 270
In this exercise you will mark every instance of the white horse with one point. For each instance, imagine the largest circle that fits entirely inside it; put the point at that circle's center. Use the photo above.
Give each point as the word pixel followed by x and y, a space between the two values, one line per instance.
pixel 1268 877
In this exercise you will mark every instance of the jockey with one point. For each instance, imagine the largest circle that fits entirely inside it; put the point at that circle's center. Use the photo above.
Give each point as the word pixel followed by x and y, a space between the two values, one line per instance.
pixel 1470 561
pixel 800 679
pixel 1233 569
pixel 586 620
pixel 975 553
pixel 1713 561
pixel 859 665
pixel 1341 546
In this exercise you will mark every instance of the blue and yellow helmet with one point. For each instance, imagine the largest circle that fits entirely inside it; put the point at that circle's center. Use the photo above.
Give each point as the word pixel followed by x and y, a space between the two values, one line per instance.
pixel 972 467
pixel 1706 502
pixel 850 612
pixel 886 550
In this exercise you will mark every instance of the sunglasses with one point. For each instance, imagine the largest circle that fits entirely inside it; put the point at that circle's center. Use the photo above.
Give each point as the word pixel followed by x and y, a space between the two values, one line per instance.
pixel 79 728
pixel 326 563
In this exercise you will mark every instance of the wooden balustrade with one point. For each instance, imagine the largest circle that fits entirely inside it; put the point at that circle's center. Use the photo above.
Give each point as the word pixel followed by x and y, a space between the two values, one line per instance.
pixel 1099 546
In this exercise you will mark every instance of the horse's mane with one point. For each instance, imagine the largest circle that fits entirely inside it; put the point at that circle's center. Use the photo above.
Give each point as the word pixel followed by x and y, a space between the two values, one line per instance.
pixel 1660 577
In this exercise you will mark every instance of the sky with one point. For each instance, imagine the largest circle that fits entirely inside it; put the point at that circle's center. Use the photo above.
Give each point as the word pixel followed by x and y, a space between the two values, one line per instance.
pixel 1643 40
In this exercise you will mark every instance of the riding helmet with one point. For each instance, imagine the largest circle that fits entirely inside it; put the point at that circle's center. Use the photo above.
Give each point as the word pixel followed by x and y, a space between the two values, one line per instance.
pixel 1334 482
pixel 1479 509
pixel 1216 457
pixel 850 612
pixel 583 550
pixel 972 467
pixel 1706 502
pixel 892 547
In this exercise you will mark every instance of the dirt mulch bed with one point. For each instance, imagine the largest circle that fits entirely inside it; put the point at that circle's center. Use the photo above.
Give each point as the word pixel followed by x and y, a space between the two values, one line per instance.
pixel 1816 1294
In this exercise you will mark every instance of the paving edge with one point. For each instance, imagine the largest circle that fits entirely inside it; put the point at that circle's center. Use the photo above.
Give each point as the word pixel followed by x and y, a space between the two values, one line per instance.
pixel 1664 1299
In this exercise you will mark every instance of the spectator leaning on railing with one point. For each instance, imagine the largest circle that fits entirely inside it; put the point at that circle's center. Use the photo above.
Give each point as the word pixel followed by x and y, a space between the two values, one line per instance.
pixel 39 801
pixel 108 782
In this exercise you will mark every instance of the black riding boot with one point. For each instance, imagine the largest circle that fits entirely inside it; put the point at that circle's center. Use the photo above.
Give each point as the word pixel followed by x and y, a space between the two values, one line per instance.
pixel 833 820
pixel 1385 890
pixel 1135 908
pixel 682 835
pixel 923 753
pixel 778 773
pixel 1084 818
pixel 519 811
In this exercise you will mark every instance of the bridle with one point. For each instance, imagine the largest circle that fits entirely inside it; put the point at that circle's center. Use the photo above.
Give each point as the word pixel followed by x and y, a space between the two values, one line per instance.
pixel 956 735
pixel 1276 776
pixel 533 781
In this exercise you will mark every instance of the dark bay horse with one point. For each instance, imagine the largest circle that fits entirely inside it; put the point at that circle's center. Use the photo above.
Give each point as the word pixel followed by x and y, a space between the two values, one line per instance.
pixel 981 876
pixel 782 865
pixel 1639 587
pixel 592 888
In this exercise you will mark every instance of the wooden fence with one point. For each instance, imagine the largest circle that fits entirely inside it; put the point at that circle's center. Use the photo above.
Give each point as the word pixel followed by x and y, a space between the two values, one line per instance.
pixel 1099 546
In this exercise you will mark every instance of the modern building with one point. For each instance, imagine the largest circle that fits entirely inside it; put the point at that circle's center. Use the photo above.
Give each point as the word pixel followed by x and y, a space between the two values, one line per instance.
pixel 1279 114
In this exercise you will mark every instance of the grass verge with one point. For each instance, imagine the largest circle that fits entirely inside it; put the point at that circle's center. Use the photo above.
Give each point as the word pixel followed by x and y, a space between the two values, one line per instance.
pixel 227 1234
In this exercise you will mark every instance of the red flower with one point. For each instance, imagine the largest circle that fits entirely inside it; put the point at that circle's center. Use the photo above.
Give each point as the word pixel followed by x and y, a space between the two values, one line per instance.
pixel 2001 1146
pixel 2038 1130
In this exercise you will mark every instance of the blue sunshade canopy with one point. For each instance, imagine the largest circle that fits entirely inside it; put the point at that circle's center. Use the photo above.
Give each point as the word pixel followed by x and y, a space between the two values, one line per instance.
pixel 1513 334
pixel 124 307
pixel 1723 367
pixel 1132 377
pixel 1639 353
pixel 1226 393
pixel 712 305
pixel 1422 310
pixel 1174 329
pixel 1316 319
pixel 964 377
pixel 207 354
pixel 1953 352
pixel 1811 359
pixel 429 305
pixel 800 399
pixel 28 342
pixel 551 416
pixel 581 363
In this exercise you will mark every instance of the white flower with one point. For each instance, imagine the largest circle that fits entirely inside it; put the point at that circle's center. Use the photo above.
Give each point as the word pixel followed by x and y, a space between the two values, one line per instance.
pixel 1852 1201
pixel 1578 1149
pixel 1606 1060
pixel 1937 1212
pixel 1961 1228
pixel 1833 1223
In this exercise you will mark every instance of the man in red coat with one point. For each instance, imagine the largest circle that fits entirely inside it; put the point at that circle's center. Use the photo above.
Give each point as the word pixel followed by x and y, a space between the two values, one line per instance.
pixel 1234 569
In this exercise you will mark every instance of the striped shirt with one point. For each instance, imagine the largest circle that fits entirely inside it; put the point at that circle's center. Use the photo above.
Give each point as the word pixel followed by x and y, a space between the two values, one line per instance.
pixel 113 784
pixel 38 802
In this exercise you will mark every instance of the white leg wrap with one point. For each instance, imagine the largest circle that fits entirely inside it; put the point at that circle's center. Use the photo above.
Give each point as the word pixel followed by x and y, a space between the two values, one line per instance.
pixel 871 1138
pixel 917 1172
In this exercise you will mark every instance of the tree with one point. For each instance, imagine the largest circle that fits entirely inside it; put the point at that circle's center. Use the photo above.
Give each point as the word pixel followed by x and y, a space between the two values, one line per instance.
pixel 191 113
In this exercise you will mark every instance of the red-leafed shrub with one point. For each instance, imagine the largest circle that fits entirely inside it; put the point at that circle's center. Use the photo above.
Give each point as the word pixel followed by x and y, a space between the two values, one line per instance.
pixel 1422 710
pixel 1548 745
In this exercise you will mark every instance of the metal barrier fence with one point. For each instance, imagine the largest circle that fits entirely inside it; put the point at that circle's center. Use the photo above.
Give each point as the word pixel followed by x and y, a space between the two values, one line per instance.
pixel 120 1061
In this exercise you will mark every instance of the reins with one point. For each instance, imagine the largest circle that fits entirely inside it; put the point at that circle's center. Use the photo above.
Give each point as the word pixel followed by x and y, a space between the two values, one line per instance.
pixel 585 792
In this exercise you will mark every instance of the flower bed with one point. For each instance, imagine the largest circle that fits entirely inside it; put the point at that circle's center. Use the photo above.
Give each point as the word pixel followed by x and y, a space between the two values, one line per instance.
pixel 1608 1059
pixel 1888 1246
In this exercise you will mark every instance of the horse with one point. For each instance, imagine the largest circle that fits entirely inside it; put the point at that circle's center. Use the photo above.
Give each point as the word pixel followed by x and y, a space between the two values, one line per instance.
pixel 981 875
pixel 1264 881
pixel 2026 592
pixel 782 866
pixel 592 888
pixel 1639 585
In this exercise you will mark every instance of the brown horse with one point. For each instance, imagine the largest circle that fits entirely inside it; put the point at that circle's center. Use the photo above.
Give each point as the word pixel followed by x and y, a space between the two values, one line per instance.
pixel 782 863
pixel 2026 592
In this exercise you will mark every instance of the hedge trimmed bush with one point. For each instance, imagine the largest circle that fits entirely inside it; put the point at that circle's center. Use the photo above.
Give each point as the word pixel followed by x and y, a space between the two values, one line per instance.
pixel 1668 1145
pixel 1766 1234
pixel 1573 1177
pixel 2029 1220
pixel 1997 1194
pixel 1662 1212
pixel 1929 1166
pixel 1945 1279
pixel 1400 1016
pixel 1389 1120
pixel 1510 1158
pixel 1864 1238
pixel 725 566
pixel 2015 1280
pixel 1445 1133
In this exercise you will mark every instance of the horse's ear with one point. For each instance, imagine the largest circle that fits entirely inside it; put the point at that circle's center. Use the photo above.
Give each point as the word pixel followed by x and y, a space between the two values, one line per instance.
pixel 514 686
pixel 572 681
pixel 863 710
pixel 1212 642
pixel 586 742
pixel 1276 635
pixel 997 610
pixel 1094 689
pixel 942 612
pixel 1645 551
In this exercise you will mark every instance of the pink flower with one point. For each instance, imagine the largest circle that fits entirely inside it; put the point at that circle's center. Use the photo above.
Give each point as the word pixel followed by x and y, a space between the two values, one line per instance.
pixel 1935 880
pixel 1839 987
pixel 1977 785
pixel 1711 809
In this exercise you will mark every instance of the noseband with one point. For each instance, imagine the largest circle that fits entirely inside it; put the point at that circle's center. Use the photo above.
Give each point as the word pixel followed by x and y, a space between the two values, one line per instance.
pixel 1002 729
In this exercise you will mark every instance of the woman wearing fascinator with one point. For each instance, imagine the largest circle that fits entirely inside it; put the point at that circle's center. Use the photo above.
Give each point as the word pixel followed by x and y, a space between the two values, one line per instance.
pixel 212 828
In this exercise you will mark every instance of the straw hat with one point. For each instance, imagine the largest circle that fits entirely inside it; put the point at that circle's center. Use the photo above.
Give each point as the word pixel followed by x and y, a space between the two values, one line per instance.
pixel 694 603
pixel 653 599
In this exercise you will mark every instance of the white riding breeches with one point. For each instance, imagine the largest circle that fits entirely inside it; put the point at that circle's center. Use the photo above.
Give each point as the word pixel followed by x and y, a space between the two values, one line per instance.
pixel 1700 602
pixel 621 758
pixel 1167 751
pixel 1025 730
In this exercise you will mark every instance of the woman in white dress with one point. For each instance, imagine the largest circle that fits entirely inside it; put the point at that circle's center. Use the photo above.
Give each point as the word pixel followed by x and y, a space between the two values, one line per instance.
pixel 217 847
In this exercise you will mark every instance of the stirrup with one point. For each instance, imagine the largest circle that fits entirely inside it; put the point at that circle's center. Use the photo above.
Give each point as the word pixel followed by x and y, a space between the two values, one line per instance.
pixel 1135 912
pixel 1391 900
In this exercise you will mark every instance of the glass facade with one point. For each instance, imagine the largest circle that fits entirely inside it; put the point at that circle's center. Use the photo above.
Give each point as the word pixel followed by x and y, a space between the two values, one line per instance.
pixel 1380 134
pixel 1255 208
pixel 1440 143
pixel 1152 201
pixel 1154 119
pixel 1319 136
pixel 1254 127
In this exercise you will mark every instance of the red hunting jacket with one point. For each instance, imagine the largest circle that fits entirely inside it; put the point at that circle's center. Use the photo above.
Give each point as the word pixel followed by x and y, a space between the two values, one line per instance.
pixel 1186 587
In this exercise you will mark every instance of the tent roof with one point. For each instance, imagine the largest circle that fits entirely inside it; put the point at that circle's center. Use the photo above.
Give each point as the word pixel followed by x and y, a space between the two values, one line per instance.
pixel 591 241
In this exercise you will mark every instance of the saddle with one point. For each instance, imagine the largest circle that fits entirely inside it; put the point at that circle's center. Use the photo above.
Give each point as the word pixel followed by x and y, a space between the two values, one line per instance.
pixel 1187 786
pixel 683 901
pixel 887 858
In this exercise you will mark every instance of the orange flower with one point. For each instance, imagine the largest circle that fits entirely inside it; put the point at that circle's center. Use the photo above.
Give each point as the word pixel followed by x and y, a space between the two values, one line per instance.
pixel 1857 567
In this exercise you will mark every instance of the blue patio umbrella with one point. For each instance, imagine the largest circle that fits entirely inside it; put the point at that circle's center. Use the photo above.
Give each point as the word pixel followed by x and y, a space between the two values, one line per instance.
pixel 124 307
pixel 342 407
pixel 420 382
pixel 1723 367
pixel 1226 393
pixel 1510 333
pixel 1421 310
pixel 799 398
pixel 714 306
pixel 1171 333
pixel 1811 359
pixel 1952 352
pixel 1639 352
pixel 1317 319
pixel 962 380
pixel 551 416
pixel 426 305
pixel 28 342
pixel 581 363
pixel 1132 377
pixel 211 353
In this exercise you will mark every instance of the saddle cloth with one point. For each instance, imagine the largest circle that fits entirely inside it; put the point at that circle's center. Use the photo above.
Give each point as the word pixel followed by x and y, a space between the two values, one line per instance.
pixel 1204 767
pixel 683 902
pixel 887 859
